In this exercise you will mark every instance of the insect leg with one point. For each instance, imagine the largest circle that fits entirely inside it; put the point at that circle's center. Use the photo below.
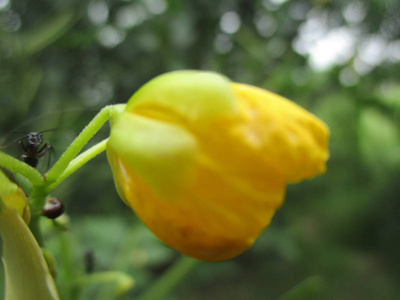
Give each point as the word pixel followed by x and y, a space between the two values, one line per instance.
pixel 42 152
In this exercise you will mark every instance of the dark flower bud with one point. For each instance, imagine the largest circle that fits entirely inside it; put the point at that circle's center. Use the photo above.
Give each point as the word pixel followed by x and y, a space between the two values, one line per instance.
pixel 53 208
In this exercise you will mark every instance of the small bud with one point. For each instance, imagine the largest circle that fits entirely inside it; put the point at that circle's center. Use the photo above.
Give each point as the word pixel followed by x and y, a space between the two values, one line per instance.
pixel 53 208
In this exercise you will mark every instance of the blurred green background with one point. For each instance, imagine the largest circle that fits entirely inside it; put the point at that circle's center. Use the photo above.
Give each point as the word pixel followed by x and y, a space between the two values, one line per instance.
pixel 336 237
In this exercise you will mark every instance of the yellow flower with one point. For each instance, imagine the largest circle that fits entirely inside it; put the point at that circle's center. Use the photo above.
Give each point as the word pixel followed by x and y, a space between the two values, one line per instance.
pixel 204 162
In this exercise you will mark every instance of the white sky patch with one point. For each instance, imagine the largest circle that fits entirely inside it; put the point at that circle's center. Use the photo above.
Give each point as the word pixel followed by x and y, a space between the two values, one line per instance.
pixel 361 66
pixel 325 47
pixel 130 16
pixel 277 2
pixel 98 12
pixel 373 50
pixel 272 5
pixel 110 36
pixel 4 3
pixel 355 12
pixel 230 22
pixel 336 48
pixel 393 51
pixel 156 7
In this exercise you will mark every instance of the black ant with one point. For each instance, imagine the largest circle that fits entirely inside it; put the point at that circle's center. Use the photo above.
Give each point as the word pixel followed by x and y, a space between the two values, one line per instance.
pixel 31 143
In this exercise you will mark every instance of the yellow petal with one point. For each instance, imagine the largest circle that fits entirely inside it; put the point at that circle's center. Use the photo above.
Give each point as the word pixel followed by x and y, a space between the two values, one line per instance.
pixel 210 219
pixel 270 137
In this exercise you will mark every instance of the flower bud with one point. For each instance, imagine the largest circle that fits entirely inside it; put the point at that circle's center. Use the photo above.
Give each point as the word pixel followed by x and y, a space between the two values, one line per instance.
pixel 53 208
pixel 204 162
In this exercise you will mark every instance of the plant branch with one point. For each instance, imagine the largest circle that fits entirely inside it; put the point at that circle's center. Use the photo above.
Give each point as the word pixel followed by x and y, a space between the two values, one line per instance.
pixel 81 140
pixel 17 166
pixel 79 161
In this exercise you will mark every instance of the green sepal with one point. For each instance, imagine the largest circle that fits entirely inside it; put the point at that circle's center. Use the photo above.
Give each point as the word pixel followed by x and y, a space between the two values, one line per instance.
pixel 196 96
pixel 159 152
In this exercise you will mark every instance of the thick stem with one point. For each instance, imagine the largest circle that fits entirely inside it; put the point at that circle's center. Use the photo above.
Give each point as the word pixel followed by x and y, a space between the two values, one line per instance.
pixel 37 200
pixel 34 226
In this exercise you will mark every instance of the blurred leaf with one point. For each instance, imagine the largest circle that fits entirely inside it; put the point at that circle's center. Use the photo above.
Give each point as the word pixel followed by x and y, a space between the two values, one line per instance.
pixel 379 139
pixel 308 289
pixel 121 281
pixel 30 80
pixel 36 39
pixel 339 112
pixel 389 94
pixel 170 279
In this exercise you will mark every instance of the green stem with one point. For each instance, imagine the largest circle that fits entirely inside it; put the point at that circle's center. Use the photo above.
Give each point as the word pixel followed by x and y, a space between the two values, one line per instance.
pixel 66 165
pixel 37 200
pixel 170 280
pixel 17 166
pixel 79 161
pixel 81 140
pixel 34 226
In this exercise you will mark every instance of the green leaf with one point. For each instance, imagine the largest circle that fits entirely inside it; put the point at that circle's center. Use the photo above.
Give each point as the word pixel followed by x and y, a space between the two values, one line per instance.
pixel 122 281
pixel 44 34
pixel 379 139
pixel 310 288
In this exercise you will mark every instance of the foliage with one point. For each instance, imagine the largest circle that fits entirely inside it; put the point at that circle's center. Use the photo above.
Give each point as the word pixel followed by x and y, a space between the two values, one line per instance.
pixel 336 236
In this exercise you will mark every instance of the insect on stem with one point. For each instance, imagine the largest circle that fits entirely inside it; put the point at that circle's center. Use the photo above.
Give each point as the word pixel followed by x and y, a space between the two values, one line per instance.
pixel 33 147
